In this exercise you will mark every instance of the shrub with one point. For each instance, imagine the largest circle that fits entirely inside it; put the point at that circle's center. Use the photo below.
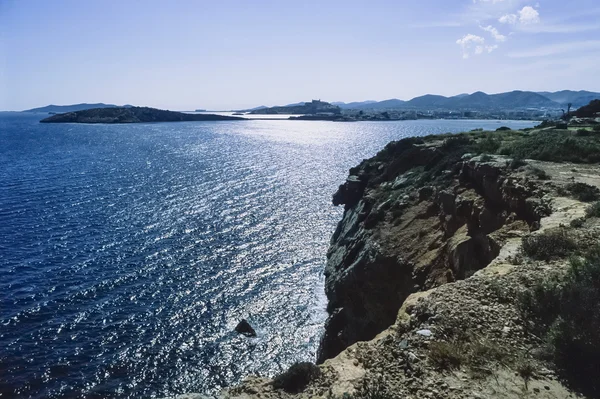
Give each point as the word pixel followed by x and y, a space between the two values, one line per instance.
pixel 593 211
pixel 596 128
pixel 486 158
pixel 554 146
pixel 373 390
pixel 577 223
pixel 503 129
pixel 549 244
pixel 537 172
pixel 297 377
pixel 583 192
pixel 446 355
pixel 516 163
pixel 583 132
pixel 488 145
pixel 575 335
pixel 526 370
pixel 455 142
pixel 569 311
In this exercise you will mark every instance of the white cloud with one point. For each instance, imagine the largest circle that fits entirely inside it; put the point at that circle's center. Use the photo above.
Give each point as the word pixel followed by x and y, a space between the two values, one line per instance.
pixel 494 32
pixel 525 16
pixel 529 15
pixel 474 44
pixel 510 19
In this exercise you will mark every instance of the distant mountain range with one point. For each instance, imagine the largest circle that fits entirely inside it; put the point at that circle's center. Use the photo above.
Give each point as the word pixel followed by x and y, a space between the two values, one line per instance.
pixel 74 107
pixel 480 100
pixel 476 101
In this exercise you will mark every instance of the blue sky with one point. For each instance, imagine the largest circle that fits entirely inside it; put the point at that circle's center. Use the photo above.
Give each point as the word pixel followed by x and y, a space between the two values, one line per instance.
pixel 185 54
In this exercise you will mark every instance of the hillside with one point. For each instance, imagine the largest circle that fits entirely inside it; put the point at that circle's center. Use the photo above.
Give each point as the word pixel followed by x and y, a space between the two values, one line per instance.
pixel 590 110
pixel 131 115
pixel 577 98
pixel 73 107
pixel 314 107
pixel 482 101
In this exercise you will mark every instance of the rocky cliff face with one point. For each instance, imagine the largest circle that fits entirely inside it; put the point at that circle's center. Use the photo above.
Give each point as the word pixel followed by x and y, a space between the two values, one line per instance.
pixel 416 216
pixel 427 270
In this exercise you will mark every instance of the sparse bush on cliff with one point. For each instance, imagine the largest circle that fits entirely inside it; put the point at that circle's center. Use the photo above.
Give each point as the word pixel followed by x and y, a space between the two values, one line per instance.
pixel 447 355
pixel 297 377
pixel 538 173
pixel 548 245
pixel 577 223
pixel 569 312
pixel 554 146
pixel 517 162
pixel 488 145
pixel 478 355
pixel 456 141
pixel 584 192
pixel 372 390
pixel 593 211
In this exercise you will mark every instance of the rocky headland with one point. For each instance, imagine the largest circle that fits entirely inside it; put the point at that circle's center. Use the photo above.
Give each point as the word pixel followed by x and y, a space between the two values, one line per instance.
pixel 315 107
pixel 132 115
pixel 465 266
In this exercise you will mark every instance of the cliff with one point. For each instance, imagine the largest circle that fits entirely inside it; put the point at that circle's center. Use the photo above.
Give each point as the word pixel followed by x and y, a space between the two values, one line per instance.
pixel 131 115
pixel 461 270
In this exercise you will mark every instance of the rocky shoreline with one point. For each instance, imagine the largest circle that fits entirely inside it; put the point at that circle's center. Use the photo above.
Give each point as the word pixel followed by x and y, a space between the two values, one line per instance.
pixel 427 269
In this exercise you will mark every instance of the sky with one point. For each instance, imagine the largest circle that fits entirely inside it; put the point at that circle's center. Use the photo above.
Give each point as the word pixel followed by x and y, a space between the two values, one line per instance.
pixel 226 54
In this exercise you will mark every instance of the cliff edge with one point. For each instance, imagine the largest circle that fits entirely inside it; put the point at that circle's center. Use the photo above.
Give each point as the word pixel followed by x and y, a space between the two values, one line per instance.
pixel 465 266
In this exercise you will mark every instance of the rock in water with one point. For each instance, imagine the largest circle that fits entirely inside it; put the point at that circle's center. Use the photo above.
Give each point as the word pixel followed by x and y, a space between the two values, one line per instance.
pixel 245 328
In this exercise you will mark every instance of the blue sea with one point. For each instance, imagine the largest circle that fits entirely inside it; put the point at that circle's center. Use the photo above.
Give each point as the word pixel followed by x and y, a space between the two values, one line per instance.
pixel 128 253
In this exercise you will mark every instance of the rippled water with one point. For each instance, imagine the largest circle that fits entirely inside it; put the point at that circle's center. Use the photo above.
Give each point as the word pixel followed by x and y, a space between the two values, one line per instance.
pixel 128 253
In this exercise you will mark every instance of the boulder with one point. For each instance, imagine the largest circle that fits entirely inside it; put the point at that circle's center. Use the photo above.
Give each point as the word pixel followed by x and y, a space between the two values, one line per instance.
pixel 245 328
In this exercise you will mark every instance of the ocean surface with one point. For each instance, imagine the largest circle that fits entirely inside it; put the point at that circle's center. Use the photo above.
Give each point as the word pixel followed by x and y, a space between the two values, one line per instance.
pixel 128 253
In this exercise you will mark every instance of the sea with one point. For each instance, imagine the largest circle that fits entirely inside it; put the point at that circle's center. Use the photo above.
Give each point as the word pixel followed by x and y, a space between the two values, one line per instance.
pixel 129 253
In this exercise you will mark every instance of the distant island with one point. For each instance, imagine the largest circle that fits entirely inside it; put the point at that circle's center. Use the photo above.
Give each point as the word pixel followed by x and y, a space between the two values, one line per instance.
pixel 132 115
pixel 315 107
pixel 74 107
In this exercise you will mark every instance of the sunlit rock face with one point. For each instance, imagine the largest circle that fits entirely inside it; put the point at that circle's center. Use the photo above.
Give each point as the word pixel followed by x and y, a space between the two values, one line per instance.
pixel 416 216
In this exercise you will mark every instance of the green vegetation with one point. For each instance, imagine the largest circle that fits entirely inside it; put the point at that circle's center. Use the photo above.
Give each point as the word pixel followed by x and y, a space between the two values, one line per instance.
pixel 538 173
pixel 568 313
pixel 554 146
pixel 447 355
pixel 475 354
pixel 526 372
pixel 584 192
pixel 516 163
pixel 577 223
pixel 551 244
pixel 488 145
pixel 593 211
pixel 373 390
pixel 588 111
pixel 297 377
